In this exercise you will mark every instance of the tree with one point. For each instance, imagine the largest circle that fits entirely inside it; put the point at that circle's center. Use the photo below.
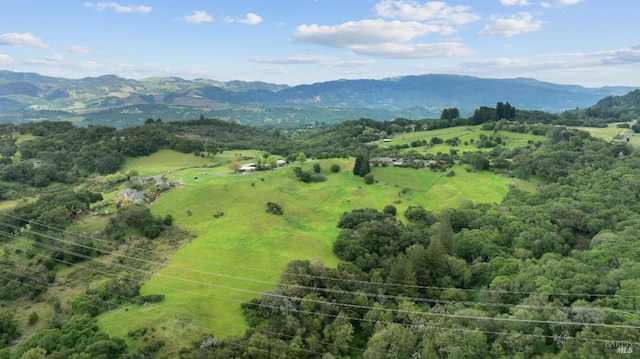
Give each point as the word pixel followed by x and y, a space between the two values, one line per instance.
pixel 339 333
pixel 437 259
pixel 234 166
pixel 362 166
pixel 450 113
pixel 368 178
pixel 479 161
pixel 390 210
pixel 316 168
pixel 35 353
pixel 211 148
pixel 445 232
pixel 301 157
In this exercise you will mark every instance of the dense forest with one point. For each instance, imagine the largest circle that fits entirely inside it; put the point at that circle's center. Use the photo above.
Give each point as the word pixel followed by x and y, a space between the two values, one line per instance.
pixel 550 273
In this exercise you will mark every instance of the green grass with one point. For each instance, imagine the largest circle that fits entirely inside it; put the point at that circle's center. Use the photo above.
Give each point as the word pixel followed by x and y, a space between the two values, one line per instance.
pixel 169 160
pixel 608 133
pixel 465 134
pixel 235 257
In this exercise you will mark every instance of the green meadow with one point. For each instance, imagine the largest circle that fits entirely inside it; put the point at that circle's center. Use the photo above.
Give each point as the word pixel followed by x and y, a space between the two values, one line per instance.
pixel 233 258
pixel 468 134
pixel 609 133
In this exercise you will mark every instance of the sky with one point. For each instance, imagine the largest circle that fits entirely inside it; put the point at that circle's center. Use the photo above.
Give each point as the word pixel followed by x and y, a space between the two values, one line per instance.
pixel 584 42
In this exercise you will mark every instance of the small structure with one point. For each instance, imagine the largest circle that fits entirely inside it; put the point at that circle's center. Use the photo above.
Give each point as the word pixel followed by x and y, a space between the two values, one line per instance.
pixel 250 167
pixel 130 195
pixel 157 179
pixel 282 163
pixel 385 161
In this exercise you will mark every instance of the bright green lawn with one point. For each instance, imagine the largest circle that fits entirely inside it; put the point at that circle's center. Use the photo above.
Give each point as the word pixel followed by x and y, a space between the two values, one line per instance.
pixel 168 160
pixel 465 134
pixel 241 254
pixel 608 133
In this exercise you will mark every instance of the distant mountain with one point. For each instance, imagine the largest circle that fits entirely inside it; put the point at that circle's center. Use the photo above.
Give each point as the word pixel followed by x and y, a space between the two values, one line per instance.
pixel 113 100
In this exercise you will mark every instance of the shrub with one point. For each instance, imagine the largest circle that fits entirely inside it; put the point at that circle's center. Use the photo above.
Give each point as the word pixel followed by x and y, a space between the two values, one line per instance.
pixel 316 168
pixel 368 178
pixel 274 208
pixel 317 177
pixel 33 318
pixel 390 210
pixel 335 168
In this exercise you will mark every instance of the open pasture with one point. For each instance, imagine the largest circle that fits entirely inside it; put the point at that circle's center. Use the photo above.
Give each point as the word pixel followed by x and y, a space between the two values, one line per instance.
pixel 466 134
pixel 238 255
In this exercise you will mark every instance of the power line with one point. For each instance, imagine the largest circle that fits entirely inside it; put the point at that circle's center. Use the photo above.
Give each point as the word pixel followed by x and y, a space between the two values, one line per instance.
pixel 421 326
pixel 352 306
pixel 329 290
pixel 326 290
pixel 489 291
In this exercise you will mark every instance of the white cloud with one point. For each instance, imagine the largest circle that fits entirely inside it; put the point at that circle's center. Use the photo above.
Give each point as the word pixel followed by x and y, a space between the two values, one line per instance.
pixel 380 38
pixel 559 3
pixel 514 25
pixel 295 59
pixel 198 17
pixel 628 55
pixel 362 33
pixel 80 50
pixel 6 60
pixel 399 50
pixel 515 2
pixel 55 58
pixel 575 61
pixel 435 11
pixel 274 70
pixel 101 6
pixel 353 63
pixel 328 61
pixel 24 39
pixel 251 19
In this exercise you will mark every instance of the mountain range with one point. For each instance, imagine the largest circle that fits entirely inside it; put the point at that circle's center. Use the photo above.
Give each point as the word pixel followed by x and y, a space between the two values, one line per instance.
pixel 113 100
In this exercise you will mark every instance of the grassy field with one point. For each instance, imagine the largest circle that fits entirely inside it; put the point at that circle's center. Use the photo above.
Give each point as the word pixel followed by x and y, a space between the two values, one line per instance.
pixel 465 134
pixel 608 133
pixel 235 257
pixel 169 160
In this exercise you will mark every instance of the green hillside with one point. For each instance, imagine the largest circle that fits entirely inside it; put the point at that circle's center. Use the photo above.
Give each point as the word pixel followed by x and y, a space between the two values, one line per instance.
pixel 221 264
pixel 233 258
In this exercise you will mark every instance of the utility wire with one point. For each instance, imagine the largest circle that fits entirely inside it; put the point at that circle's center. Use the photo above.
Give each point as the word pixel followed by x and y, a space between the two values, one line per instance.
pixel 317 289
pixel 353 306
pixel 361 282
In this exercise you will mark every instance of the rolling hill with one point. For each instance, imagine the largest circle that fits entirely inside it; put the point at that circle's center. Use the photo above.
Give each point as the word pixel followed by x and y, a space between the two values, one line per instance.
pixel 124 102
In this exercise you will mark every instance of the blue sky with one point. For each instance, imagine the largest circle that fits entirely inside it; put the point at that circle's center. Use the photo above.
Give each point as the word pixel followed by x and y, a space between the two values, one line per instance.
pixel 585 42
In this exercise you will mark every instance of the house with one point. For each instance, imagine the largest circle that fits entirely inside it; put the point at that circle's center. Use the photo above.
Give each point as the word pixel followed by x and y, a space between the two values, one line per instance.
pixel 157 179
pixel 131 196
pixel 139 179
pixel 385 161
pixel 282 163
pixel 250 167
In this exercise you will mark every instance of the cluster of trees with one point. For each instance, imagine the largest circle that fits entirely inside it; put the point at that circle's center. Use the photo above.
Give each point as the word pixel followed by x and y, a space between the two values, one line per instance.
pixel 541 274
pixel 309 176
pixel 136 217
pixel 75 337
